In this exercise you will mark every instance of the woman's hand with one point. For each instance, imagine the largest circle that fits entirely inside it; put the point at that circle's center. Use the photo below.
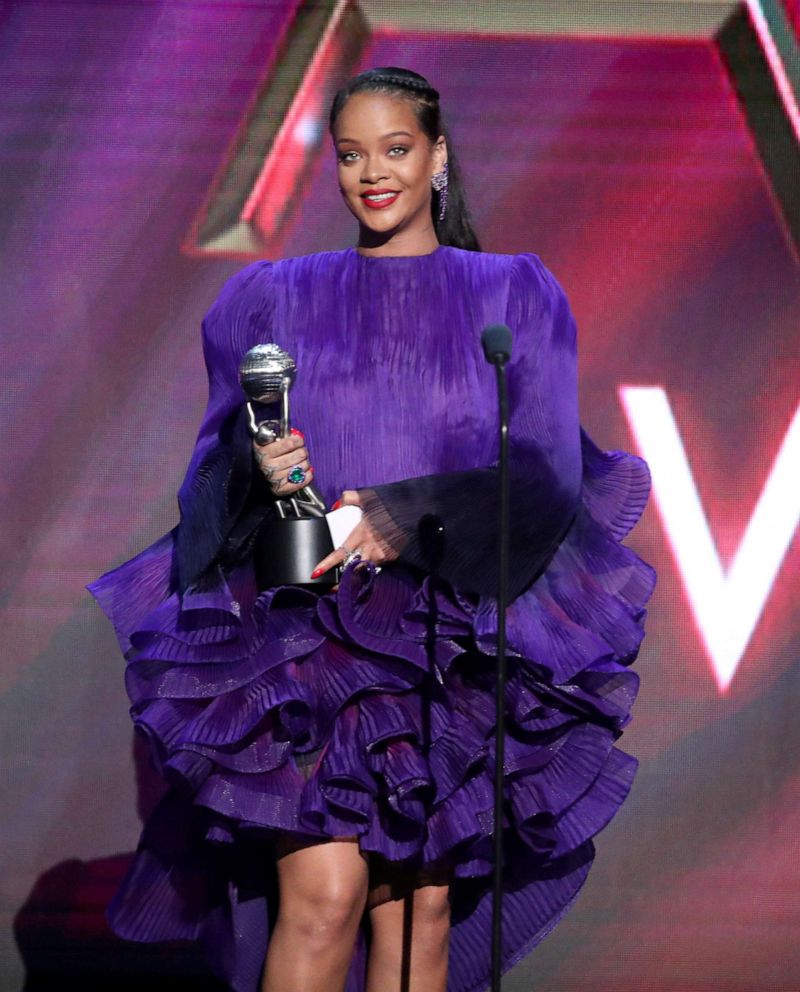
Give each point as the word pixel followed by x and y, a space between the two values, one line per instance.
pixel 278 458
pixel 362 538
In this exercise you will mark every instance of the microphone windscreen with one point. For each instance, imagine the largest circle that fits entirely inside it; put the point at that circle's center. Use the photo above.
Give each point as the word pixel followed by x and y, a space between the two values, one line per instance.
pixel 496 341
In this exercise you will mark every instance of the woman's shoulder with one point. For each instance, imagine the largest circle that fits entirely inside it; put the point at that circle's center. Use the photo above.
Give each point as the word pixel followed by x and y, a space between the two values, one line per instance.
pixel 251 280
pixel 262 271
pixel 533 284
pixel 250 292
pixel 524 265
pixel 526 278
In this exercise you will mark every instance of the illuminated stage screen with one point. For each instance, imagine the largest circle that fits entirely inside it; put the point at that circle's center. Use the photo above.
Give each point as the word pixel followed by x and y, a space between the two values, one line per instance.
pixel 648 153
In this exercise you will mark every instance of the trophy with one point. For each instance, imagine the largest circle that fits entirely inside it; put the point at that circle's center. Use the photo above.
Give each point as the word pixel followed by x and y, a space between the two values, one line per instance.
pixel 290 543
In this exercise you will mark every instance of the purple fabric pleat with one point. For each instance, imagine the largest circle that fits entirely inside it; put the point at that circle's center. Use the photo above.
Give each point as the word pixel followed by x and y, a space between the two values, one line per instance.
pixel 390 679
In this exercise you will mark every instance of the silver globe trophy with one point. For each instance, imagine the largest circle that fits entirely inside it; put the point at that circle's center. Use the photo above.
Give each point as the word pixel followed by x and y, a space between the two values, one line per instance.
pixel 290 544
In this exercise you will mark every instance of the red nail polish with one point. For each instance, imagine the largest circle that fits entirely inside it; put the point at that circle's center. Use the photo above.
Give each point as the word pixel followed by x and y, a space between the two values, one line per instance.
pixel 316 573
pixel 336 505
pixel 296 432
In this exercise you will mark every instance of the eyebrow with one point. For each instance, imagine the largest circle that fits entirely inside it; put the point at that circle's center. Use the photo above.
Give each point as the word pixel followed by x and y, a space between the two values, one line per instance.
pixel 391 134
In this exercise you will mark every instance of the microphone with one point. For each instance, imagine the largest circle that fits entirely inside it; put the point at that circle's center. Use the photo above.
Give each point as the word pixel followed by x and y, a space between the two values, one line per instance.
pixel 496 341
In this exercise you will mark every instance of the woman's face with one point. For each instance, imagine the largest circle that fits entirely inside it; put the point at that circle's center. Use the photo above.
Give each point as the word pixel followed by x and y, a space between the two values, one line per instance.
pixel 385 163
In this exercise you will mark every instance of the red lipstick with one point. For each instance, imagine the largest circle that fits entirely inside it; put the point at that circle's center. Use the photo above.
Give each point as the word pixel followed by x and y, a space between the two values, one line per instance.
pixel 379 204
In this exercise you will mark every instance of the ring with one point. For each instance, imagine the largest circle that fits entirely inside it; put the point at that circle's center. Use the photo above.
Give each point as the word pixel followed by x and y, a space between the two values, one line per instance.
pixel 349 556
pixel 296 475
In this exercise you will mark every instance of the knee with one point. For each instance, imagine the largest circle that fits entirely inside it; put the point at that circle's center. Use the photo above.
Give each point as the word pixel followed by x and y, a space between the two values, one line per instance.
pixel 431 918
pixel 425 921
pixel 323 914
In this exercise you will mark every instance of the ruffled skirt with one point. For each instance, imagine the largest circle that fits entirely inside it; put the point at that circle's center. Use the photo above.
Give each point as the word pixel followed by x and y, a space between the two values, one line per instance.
pixel 370 712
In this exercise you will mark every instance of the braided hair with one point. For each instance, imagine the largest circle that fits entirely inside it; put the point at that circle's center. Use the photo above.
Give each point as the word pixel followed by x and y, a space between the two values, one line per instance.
pixel 456 226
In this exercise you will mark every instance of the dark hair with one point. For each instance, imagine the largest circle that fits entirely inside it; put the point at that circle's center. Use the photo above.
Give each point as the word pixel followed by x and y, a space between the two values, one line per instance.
pixel 456 227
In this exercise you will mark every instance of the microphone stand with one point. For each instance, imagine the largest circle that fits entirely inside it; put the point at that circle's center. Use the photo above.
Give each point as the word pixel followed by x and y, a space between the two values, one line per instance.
pixel 497 353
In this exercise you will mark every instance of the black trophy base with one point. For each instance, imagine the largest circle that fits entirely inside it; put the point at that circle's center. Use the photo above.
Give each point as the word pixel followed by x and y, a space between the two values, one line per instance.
pixel 287 551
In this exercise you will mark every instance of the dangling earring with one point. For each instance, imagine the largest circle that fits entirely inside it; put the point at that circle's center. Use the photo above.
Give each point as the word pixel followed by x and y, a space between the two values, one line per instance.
pixel 439 183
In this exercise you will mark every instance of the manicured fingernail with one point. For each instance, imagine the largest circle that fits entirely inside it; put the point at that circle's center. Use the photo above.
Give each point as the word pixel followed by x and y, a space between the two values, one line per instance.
pixel 336 505
pixel 316 573
pixel 297 433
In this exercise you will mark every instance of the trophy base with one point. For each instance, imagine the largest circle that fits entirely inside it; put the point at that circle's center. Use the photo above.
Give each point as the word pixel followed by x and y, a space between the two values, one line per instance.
pixel 286 552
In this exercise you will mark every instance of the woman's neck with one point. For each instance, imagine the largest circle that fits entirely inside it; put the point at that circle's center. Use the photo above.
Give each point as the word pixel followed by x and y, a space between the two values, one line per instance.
pixel 373 246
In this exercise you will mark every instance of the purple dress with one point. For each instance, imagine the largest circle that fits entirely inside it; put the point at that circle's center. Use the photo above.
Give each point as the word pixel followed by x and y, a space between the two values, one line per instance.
pixel 389 681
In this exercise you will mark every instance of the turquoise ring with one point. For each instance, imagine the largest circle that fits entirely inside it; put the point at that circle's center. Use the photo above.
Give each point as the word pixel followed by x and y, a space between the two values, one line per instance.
pixel 296 475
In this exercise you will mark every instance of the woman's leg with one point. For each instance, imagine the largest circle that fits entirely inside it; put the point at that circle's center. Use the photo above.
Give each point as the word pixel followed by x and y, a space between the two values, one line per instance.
pixel 323 889
pixel 410 919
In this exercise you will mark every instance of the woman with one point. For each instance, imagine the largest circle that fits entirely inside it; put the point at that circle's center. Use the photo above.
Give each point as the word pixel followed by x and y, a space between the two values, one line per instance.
pixel 331 750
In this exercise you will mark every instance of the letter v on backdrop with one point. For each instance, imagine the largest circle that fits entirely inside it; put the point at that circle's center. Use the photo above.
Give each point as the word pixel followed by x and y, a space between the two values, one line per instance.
pixel 726 604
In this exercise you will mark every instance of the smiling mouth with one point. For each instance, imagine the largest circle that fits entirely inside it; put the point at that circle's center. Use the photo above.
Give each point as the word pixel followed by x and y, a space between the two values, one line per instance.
pixel 377 200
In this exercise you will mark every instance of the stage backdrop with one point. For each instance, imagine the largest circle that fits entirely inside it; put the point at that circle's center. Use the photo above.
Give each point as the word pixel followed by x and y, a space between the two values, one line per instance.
pixel 150 149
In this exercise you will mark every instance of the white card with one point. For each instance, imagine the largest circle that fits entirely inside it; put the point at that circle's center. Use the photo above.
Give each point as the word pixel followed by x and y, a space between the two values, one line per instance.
pixel 341 522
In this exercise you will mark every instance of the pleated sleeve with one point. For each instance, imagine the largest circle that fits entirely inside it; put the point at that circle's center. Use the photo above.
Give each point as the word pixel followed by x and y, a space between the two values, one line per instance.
pixel 545 458
pixel 222 499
